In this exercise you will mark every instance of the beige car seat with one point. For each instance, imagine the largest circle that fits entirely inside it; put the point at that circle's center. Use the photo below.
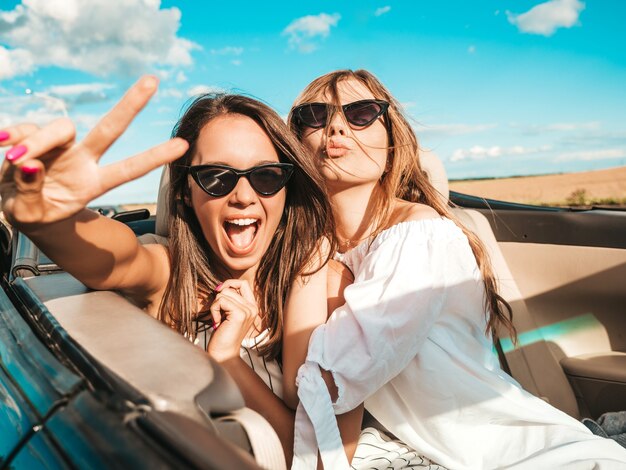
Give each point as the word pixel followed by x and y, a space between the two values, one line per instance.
pixel 534 366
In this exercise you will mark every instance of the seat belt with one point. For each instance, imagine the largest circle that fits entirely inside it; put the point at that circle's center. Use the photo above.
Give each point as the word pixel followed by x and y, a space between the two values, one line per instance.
pixel 266 446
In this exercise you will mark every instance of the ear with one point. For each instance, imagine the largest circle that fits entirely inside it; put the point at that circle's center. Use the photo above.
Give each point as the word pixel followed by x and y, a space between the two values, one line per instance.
pixel 186 196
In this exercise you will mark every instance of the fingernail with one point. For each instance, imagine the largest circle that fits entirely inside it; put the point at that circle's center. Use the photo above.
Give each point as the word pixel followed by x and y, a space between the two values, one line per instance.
pixel 29 173
pixel 219 286
pixel 4 135
pixel 16 152
pixel 149 82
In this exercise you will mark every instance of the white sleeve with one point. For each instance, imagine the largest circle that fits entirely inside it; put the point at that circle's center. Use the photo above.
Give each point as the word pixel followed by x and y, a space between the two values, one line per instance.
pixel 397 294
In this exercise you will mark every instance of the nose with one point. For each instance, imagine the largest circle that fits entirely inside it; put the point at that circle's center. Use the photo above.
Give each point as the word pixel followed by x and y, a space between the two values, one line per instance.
pixel 337 124
pixel 243 195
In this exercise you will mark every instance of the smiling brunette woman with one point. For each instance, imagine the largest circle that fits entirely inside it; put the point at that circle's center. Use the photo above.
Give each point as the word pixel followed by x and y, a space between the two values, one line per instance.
pixel 249 223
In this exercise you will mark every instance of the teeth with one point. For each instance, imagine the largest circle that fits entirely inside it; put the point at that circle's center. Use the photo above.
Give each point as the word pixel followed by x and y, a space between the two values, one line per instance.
pixel 242 222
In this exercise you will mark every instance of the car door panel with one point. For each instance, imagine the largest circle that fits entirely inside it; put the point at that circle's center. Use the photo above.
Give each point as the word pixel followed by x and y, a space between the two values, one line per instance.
pixel 570 269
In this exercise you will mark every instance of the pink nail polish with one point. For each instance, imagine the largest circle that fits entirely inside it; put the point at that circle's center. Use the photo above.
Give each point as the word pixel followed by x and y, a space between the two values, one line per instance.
pixel 16 152
pixel 4 135
pixel 217 287
pixel 29 173
pixel 30 170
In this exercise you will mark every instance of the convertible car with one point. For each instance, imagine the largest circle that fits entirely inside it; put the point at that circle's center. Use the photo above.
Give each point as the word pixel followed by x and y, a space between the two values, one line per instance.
pixel 87 379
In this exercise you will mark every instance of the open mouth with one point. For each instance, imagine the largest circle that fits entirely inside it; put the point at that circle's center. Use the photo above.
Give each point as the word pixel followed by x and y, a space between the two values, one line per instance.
pixel 241 233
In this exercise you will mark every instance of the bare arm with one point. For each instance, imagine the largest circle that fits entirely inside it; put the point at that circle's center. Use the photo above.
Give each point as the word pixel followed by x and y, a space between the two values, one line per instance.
pixel 234 312
pixel 105 254
pixel 261 399
pixel 48 179
pixel 305 309
pixel 310 302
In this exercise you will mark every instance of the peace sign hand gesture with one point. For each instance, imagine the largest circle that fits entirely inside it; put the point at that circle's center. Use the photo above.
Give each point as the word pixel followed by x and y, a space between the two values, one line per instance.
pixel 48 176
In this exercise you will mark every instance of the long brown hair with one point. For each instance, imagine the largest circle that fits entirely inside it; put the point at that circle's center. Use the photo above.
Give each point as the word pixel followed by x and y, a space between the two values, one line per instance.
pixel 405 179
pixel 307 218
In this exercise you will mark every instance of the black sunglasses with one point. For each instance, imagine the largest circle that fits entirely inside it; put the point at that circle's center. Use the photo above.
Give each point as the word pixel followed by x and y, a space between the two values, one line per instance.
pixel 359 113
pixel 219 180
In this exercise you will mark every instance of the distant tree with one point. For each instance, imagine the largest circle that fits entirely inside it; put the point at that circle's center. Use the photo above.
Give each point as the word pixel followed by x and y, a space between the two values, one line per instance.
pixel 577 198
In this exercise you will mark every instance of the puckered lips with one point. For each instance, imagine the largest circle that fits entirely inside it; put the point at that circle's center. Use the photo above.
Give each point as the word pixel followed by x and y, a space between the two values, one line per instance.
pixel 241 234
pixel 338 146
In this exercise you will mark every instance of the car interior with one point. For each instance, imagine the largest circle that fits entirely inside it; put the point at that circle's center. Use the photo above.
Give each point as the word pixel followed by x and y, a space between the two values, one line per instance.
pixel 561 271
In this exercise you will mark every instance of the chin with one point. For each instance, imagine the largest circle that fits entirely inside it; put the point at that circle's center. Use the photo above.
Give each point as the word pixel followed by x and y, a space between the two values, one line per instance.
pixel 236 264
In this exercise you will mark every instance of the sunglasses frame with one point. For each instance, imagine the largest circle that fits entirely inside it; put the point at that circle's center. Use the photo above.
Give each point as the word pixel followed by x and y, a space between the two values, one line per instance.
pixel 384 106
pixel 194 171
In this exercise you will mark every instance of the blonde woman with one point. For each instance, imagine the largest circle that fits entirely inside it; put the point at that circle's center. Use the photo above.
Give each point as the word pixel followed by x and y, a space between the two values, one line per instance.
pixel 414 338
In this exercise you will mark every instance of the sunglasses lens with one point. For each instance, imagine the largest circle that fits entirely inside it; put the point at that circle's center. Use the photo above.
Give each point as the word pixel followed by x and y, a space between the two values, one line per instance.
pixel 269 180
pixel 362 113
pixel 313 115
pixel 217 181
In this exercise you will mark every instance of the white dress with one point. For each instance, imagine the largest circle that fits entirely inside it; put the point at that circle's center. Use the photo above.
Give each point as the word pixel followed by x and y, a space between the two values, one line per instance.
pixel 410 342
pixel 375 450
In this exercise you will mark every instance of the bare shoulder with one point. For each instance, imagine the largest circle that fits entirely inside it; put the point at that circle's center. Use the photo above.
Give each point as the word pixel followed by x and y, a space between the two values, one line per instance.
pixel 157 251
pixel 407 211
pixel 319 257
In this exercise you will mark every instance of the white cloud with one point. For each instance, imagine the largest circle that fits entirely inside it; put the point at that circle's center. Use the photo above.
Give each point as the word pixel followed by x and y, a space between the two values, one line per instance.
pixel 547 17
pixel 14 62
pixel 559 127
pixel 40 110
pixel 471 49
pixel 80 93
pixel 101 37
pixel 589 155
pixel 573 126
pixel 228 50
pixel 478 152
pixel 236 62
pixel 203 89
pixel 454 129
pixel 181 77
pixel 382 10
pixel 303 31
pixel 170 93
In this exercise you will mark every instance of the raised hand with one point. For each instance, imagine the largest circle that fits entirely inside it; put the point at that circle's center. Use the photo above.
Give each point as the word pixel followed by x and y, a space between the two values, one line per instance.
pixel 234 313
pixel 47 176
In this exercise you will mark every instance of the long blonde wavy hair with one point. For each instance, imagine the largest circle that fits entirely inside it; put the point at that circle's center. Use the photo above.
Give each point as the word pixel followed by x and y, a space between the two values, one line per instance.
pixel 405 179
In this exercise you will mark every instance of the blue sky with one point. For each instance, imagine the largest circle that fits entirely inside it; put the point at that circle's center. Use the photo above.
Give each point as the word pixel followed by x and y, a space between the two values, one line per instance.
pixel 495 88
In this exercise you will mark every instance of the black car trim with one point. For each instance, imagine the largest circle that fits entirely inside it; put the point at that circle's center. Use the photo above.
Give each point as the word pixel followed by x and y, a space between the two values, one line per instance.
pixel 523 223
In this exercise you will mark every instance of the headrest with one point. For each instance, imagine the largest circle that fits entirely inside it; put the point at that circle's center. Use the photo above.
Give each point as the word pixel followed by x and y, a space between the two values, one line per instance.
pixel 162 208
pixel 436 173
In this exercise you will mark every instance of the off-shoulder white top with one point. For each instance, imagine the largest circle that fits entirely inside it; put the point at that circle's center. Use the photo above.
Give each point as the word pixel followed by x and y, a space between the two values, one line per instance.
pixel 410 341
